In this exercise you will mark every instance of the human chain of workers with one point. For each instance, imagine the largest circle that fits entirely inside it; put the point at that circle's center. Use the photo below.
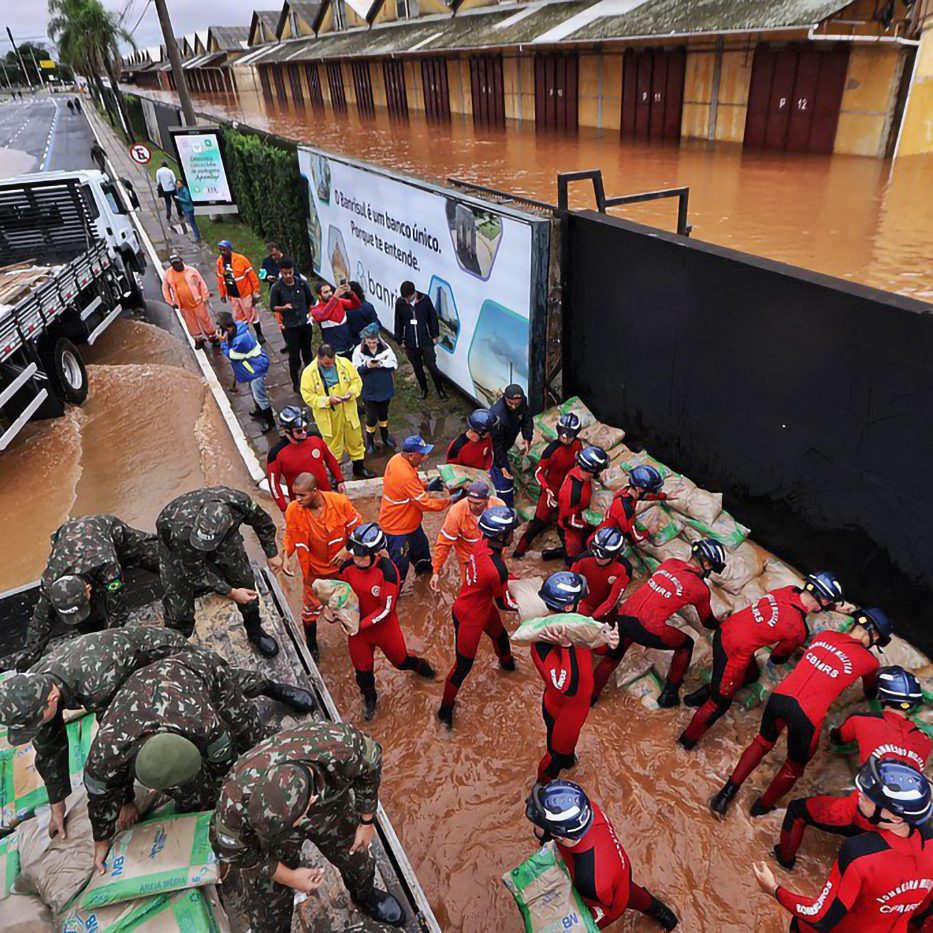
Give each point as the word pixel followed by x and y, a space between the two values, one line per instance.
pixel 176 718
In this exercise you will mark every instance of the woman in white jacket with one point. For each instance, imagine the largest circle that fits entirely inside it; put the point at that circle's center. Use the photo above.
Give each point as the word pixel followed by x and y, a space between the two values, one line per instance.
pixel 376 363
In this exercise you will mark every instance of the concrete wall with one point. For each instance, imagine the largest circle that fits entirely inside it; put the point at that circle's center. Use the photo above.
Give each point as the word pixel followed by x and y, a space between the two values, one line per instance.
pixel 518 85
pixel 869 99
pixel 917 126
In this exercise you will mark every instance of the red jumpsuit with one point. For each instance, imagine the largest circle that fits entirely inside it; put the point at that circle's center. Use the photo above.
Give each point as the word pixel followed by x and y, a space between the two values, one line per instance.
pixel 643 618
pixel 567 673
pixel 556 461
pixel 605 582
pixel 471 453
pixel 476 611
pixel 621 513
pixel 833 662
pixel 602 873
pixel 882 735
pixel 289 459
pixel 778 618
pixel 877 881
pixel 573 500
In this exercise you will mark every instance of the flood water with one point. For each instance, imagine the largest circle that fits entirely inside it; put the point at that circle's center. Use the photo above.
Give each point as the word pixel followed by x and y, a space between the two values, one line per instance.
pixel 868 220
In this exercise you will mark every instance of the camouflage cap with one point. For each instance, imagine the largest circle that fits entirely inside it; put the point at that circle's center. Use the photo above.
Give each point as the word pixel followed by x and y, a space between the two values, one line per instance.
pixel 212 523
pixel 23 698
pixel 278 800
pixel 67 594
pixel 167 759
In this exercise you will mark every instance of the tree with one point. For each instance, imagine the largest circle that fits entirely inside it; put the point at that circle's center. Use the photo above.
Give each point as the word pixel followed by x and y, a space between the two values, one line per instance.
pixel 88 38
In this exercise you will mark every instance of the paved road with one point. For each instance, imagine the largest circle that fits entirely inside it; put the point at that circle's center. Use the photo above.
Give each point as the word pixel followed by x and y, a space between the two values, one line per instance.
pixel 44 129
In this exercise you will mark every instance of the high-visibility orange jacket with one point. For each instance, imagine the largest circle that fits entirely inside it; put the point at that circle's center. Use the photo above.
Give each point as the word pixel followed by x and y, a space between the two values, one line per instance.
pixel 175 292
pixel 246 279
pixel 404 498
pixel 318 539
pixel 459 532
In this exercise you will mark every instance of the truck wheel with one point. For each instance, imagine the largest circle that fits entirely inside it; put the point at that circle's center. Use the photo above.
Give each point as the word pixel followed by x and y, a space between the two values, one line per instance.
pixel 69 371
pixel 134 285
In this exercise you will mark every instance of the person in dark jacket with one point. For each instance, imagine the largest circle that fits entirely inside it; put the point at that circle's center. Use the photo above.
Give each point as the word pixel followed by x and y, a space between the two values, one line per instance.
pixel 375 361
pixel 513 417
pixel 290 299
pixel 417 330
pixel 363 316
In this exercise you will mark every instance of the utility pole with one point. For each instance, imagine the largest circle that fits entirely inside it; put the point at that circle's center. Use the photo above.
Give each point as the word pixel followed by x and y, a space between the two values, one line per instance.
pixel 171 47
pixel 35 61
pixel 22 64
pixel 6 76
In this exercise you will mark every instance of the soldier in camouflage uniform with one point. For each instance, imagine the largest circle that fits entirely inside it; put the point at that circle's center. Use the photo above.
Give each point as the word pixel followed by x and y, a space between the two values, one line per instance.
pixel 189 696
pixel 86 673
pixel 200 547
pixel 83 580
pixel 320 782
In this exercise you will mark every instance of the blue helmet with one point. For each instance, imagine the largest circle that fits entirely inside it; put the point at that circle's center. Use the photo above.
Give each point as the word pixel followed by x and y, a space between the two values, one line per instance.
pixel 497 521
pixel 712 552
pixel 899 688
pixel 593 459
pixel 293 418
pixel 569 424
pixel 647 478
pixel 562 589
pixel 824 587
pixel 878 623
pixel 560 808
pixel 367 538
pixel 892 785
pixel 482 421
pixel 607 542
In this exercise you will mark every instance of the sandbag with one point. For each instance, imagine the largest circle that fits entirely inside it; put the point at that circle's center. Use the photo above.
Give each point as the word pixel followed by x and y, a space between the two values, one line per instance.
pixel 698 504
pixel 678 489
pixel 454 476
pixel 777 574
pixel 676 548
pixel 563 626
pixel 24 913
pixel 546 422
pixel 157 856
pixel 340 604
pixel 743 565
pixel 9 865
pixel 545 895
pixel 658 523
pixel 725 529
pixel 612 478
pixel 646 688
pixel 196 910
pixel 525 594
pixel 602 435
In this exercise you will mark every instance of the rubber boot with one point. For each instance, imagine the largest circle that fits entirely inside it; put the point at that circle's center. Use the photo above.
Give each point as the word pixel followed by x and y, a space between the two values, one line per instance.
pixel 759 809
pixel 370 701
pixel 386 438
pixel 684 742
pixel 661 913
pixel 697 698
pixel 553 553
pixel 720 803
pixel 382 907
pixel 370 442
pixel 360 471
pixel 419 666
pixel 269 416
pixel 784 862
pixel 670 696
pixel 520 549
pixel 446 715
pixel 311 641
pixel 299 699
pixel 262 641
pixel 260 339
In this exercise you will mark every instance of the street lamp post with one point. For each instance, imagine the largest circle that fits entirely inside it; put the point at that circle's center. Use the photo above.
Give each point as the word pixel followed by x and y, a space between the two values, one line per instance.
pixel 171 47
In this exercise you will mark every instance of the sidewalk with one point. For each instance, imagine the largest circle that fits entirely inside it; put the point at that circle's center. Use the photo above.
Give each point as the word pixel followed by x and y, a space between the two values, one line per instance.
pixel 436 421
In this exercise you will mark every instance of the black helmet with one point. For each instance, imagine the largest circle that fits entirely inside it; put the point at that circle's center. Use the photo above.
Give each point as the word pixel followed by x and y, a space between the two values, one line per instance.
pixel 824 587
pixel 497 521
pixel 293 418
pixel 878 623
pixel 482 421
pixel 367 538
pixel 892 785
pixel 562 589
pixel 593 459
pixel 899 688
pixel 560 808
pixel 607 542
pixel 569 424
pixel 712 552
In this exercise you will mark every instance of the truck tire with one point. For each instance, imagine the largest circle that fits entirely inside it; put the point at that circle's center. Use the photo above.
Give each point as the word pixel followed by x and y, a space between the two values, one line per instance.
pixel 135 299
pixel 69 373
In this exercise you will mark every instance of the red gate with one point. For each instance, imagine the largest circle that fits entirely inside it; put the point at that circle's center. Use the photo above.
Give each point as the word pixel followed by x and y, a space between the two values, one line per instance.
pixel 436 91
pixel 556 92
pixel 652 93
pixel 396 94
pixel 363 83
pixel 338 97
pixel 487 90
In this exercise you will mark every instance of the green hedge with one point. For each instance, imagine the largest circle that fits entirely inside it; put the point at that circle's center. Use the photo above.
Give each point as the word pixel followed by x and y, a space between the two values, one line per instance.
pixel 268 188
pixel 134 112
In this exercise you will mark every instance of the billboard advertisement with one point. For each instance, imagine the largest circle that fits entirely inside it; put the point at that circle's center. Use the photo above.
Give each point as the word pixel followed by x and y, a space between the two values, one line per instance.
pixel 483 266
pixel 200 158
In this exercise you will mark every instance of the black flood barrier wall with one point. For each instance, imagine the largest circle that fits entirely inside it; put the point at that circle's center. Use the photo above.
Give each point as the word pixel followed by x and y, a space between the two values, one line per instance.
pixel 807 399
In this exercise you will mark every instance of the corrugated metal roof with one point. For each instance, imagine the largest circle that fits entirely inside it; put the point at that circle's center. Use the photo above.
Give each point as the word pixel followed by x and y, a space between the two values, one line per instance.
pixel 230 37
pixel 679 17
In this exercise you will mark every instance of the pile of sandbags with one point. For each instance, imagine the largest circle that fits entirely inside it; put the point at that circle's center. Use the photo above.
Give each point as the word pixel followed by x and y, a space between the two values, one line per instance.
pixel 454 476
pixel 341 604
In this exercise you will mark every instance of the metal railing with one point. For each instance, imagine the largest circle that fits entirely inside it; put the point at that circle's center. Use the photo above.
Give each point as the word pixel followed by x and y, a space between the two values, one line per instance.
pixel 501 196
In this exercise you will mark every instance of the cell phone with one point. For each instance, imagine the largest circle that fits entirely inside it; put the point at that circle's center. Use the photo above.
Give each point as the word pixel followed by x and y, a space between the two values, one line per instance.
pixel 343 281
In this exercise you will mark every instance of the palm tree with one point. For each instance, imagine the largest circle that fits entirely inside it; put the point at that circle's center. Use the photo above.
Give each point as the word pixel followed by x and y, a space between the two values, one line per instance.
pixel 88 38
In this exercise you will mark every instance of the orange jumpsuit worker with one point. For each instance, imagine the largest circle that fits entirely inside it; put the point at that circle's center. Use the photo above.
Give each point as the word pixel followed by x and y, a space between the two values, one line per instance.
pixel 404 500
pixel 460 531
pixel 184 288
pixel 317 525
pixel 239 284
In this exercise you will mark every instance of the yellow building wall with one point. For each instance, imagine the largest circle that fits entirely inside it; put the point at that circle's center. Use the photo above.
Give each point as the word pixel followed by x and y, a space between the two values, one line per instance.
pixel 526 66
pixel 426 7
pixel 917 126
pixel 473 4
pixel 698 93
pixel 735 75
pixel 349 88
pixel 868 100
pixel 377 76
pixel 511 88
pixel 458 82
pixel 589 84
pixel 413 90
pixel 612 91
pixel 327 21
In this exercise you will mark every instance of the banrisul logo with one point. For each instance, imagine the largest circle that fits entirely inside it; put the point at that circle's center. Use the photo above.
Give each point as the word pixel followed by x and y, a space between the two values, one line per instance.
pixel 158 843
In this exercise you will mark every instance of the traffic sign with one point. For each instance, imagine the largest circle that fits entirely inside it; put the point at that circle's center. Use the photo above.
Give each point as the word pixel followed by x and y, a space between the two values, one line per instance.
pixel 140 153
pixel 46 63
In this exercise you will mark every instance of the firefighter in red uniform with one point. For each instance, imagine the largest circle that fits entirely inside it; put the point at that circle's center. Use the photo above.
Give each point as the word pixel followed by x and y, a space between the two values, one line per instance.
pixel 644 485
pixel 556 461
pixel 573 500
pixel 779 618
pixel 567 672
pixel 833 662
pixel 475 611
pixel 642 618
pixel 587 843
pixel 606 571
pixel 300 452
pixel 888 735
pixel 881 881
pixel 473 448
pixel 374 579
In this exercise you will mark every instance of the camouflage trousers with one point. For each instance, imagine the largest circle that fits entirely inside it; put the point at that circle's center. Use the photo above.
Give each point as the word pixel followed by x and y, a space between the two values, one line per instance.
pixel 270 904
pixel 179 589
pixel 137 548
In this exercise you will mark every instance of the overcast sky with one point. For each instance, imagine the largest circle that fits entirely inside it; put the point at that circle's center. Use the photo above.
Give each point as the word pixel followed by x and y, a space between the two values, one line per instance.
pixel 28 19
